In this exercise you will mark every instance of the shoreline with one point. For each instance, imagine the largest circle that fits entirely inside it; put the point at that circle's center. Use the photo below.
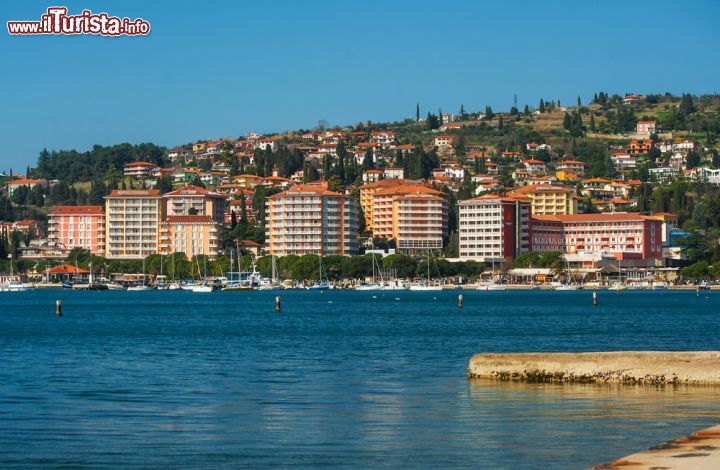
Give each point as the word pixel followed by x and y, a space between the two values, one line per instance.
pixel 700 449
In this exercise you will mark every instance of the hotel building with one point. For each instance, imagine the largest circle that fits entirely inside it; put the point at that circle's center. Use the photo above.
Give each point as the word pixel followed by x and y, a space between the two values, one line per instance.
pixel 625 235
pixel 77 227
pixel 132 221
pixel 311 219
pixel 494 228
pixel 413 215
pixel 193 220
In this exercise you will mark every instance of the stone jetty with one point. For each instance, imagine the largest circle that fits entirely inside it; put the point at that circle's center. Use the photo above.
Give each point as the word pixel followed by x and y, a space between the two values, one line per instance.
pixel 630 367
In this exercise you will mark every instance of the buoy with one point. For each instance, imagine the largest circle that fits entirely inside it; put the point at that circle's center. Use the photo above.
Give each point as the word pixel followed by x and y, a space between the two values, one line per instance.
pixel 595 297
pixel 277 303
pixel 58 308
pixel 460 299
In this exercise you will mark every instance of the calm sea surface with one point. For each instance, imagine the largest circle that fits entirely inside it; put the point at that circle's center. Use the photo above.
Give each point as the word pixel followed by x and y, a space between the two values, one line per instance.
pixel 177 379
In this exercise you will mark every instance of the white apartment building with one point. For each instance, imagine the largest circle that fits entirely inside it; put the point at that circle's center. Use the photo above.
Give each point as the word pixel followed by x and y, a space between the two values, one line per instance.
pixel 132 223
pixel 494 228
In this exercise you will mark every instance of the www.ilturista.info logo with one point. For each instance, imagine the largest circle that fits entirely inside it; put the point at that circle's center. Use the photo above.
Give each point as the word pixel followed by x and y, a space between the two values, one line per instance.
pixel 57 21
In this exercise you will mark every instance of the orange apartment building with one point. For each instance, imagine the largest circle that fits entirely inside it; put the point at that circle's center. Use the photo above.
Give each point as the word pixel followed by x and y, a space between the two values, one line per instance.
pixel 311 219
pixel 76 227
pixel 413 215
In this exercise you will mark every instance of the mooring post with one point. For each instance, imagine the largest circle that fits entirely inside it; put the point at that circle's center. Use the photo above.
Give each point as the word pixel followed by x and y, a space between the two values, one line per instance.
pixel 277 303
pixel 58 308
pixel 460 301
pixel 595 296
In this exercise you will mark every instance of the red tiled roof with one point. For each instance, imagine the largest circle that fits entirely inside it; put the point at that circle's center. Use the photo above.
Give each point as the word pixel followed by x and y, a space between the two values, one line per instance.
pixel 66 210
pixel 187 219
pixel 23 182
pixel 189 191
pixel 625 216
pixel 134 193
pixel 65 268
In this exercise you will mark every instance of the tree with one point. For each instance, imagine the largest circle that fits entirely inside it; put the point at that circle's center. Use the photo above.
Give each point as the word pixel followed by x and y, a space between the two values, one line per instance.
pixel 489 113
pixel 417 112
pixel 341 152
pixel 687 106
pixel 368 162
pixel 541 108
pixel 526 111
pixel 579 102
pixel 501 124
pixel 592 121
pixel 692 160
pixel 164 184
pixel 567 122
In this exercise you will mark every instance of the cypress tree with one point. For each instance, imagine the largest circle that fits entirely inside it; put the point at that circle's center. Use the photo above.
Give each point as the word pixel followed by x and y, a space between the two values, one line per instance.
pixel 417 112
pixel 542 106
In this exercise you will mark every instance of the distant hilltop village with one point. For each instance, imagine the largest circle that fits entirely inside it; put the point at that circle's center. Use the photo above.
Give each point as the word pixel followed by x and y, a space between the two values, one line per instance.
pixel 626 180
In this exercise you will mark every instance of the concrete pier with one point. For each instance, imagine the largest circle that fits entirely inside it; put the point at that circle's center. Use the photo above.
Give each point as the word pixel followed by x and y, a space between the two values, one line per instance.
pixel 698 450
pixel 632 367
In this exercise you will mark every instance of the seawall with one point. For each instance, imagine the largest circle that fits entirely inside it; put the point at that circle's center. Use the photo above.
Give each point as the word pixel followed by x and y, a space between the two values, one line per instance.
pixel 632 367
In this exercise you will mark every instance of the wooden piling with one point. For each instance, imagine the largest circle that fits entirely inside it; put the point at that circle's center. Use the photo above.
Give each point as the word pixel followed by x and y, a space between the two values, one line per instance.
pixel 460 301
pixel 58 308
pixel 277 303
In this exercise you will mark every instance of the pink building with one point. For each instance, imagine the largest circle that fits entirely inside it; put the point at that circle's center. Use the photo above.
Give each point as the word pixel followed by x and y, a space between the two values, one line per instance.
pixel 646 127
pixel 77 227
pixel 627 235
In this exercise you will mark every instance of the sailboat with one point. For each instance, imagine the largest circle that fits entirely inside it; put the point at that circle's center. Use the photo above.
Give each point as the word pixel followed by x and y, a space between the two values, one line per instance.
pixel 273 284
pixel 373 285
pixel 236 284
pixel 204 287
pixel 320 284
pixel 142 287
pixel 173 285
pixel 425 285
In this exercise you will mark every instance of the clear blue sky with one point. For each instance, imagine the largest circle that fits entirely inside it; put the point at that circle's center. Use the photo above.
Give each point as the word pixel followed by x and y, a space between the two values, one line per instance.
pixel 213 69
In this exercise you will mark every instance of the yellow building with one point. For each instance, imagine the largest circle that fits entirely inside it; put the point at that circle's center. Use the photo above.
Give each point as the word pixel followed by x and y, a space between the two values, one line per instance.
pixel 567 175
pixel 548 199
pixel 190 234
pixel 193 219
pixel 247 181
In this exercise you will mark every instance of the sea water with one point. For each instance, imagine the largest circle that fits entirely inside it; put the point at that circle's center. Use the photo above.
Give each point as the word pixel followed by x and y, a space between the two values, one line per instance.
pixel 337 378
